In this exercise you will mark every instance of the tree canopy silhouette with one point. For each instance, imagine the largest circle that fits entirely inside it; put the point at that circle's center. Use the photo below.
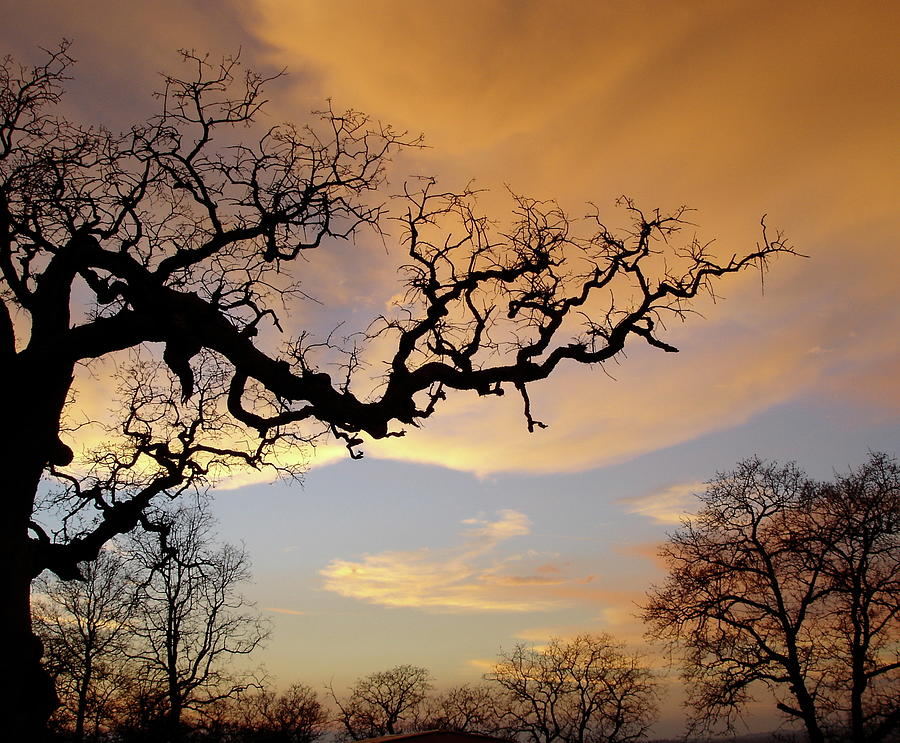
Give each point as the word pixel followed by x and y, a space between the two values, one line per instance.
pixel 787 584
pixel 588 689
pixel 467 708
pixel 180 235
pixel 264 716
pixel 382 703
pixel 190 619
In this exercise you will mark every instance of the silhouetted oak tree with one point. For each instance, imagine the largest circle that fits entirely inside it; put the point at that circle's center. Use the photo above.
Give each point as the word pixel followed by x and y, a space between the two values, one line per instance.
pixel 190 620
pixel 178 233
pixel 793 586
pixel 264 716
pixel 84 626
pixel 467 708
pixel 383 703
pixel 585 690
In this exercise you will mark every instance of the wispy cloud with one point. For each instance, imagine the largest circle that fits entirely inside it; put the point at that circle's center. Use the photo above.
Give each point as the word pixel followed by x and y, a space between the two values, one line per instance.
pixel 475 575
pixel 667 506
pixel 649 551
pixel 278 610
pixel 752 353
pixel 482 665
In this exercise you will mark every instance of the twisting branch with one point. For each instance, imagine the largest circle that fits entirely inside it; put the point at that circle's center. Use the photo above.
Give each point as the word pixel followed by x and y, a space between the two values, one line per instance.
pixel 180 235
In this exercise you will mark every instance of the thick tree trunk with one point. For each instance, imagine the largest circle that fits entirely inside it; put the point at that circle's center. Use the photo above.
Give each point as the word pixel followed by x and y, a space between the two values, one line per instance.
pixel 859 646
pixel 176 699
pixel 810 717
pixel 858 733
pixel 29 697
pixel 806 705
pixel 34 397
pixel 814 731
pixel 173 721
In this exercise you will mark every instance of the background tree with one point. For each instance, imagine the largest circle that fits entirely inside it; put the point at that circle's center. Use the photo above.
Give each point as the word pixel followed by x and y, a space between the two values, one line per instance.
pixel 383 703
pixel 584 690
pixel 468 708
pixel 793 586
pixel 139 707
pixel 177 234
pixel 84 627
pixel 264 716
pixel 190 621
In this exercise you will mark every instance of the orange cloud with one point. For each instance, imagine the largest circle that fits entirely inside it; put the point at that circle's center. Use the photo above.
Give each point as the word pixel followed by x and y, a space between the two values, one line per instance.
pixel 667 506
pixel 646 550
pixel 581 101
pixel 482 665
pixel 619 620
pixel 473 576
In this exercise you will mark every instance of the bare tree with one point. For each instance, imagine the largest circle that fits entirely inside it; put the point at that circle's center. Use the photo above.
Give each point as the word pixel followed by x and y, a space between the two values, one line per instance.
pixel 178 234
pixel 383 703
pixel 468 708
pixel 139 707
pixel 264 716
pixel 190 620
pixel 791 586
pixel 84 627
pixel 584 690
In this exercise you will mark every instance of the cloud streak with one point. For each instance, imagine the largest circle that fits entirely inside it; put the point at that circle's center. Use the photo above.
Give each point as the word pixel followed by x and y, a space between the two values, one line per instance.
pixel 475 575
pixel 668 505
pixel 292 612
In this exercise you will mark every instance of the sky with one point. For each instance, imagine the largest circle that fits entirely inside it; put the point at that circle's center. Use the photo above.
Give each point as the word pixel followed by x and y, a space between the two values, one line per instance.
pixel 471 534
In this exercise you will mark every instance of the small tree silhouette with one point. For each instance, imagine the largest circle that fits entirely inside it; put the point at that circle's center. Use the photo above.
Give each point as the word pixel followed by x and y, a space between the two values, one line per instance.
pixel 383 703
pixel 190 620
pixel 584 690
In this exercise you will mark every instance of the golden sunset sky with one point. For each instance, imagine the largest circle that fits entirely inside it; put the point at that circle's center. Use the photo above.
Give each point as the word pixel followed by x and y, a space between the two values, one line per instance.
pixel 471 534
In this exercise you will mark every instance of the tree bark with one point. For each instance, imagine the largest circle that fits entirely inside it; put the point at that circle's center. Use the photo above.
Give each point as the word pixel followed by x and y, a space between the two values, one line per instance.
pixel 35 394
pixel 29 698
pixel 173 720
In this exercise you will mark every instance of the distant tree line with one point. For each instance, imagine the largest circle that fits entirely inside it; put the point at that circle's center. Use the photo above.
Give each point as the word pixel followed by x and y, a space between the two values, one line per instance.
pixel 143 644
pixel 140 651
pixel 779 585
